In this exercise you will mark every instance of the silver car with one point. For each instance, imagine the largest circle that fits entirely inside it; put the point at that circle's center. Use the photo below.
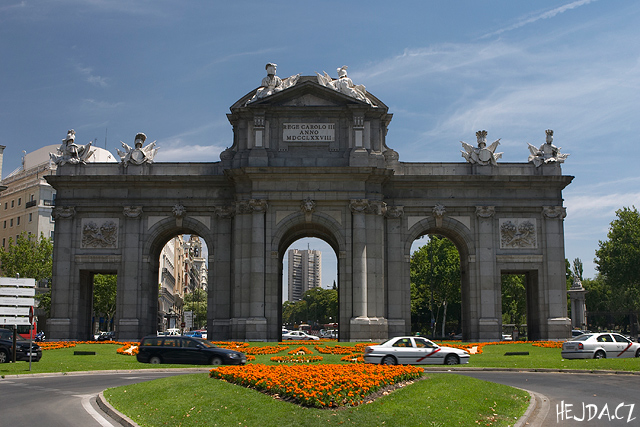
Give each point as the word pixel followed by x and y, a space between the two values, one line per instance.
pixel 413 351
pixel 600 346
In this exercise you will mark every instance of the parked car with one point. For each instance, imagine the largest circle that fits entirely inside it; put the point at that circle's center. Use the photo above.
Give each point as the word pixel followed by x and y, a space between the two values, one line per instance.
pixel 298 336
pixel 578 332
pixel 106 336
pixel 22 348
pixel 413 351
pixel 328 333
pixel 180 349
pixel 599 346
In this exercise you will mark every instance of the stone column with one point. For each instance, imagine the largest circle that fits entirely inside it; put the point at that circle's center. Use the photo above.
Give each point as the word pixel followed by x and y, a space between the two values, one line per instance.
pixel 553 286
pixel 219 308
pixel 483 302
pixel 578 305
pixel 63 311
pixel 398 299
pixel 136 317
pixel 257 323
pixel 359 208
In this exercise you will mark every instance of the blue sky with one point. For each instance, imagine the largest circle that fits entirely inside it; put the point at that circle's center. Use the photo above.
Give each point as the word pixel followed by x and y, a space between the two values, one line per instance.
pixel 112 68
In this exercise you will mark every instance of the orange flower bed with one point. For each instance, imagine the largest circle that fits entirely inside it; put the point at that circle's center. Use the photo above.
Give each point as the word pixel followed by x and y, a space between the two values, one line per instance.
pixel 291 342
pixel 318 386
pixel 353 358
pixel 338 349
pixel 301 350
pixel 54 345
pixel 296 359
pixel 268 349
pixel 231 345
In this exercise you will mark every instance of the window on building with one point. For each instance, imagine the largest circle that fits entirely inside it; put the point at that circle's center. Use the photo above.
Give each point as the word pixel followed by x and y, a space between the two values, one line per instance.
pixel 11 222
pixel 32 198
pixel 19 201
pixel 3 243
pixel 18 221
pixel 5 224
pixel 13 203
pixel 30 217
pixel 5 206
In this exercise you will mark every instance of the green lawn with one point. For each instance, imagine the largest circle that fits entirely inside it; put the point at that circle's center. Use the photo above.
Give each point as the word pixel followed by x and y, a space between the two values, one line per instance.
pixel 439 400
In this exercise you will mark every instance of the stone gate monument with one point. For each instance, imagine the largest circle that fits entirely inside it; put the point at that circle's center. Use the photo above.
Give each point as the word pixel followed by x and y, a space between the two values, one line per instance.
pixel 309 159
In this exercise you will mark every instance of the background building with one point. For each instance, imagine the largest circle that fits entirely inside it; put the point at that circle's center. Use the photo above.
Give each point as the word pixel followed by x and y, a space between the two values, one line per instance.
pixel 27 201
pixel 305 272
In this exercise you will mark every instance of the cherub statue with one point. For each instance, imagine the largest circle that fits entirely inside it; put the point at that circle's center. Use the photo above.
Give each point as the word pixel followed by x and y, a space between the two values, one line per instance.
pixel 272 83
pixel 344 85
pixel 481 155
pixel 70 152
pixel 139 154
pixel 547 153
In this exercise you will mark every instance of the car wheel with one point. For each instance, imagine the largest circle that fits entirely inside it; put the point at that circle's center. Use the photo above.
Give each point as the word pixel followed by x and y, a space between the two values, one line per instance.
pixel 389 360
pixel 155 360
pixel 4 357
pixel 638 353
pixel 600 355
pixel 451 359
pixel 216 361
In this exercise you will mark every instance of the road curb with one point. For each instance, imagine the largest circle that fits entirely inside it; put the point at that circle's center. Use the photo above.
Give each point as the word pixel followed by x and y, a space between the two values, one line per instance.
pixel 537 411
pixel 113 413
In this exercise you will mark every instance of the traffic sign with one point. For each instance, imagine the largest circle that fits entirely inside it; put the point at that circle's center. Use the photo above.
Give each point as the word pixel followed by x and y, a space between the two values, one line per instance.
pixel 13 281
pixel 18 292
pixel 17 301
pixel 5 321
pixel 14 311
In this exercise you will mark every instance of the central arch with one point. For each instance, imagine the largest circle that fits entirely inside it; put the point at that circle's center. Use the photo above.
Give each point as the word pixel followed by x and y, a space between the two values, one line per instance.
pixel 292 228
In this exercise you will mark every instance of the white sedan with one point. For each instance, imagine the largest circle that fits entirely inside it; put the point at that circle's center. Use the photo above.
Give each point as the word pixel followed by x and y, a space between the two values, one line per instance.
pixel 298 336
pixel 413 351
pixel 599 346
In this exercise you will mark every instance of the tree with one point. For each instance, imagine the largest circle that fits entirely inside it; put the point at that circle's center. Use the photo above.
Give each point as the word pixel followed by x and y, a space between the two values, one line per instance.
pixel 435 282
pixel 196 301
pixel 514 299
pixel 618 258
pixel 31 258
pixel 317 305
pixel 104 296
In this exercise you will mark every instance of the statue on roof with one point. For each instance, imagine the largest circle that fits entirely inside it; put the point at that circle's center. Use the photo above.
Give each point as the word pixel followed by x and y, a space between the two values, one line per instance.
pixel 272 83
pixel 138 154
pixel 70 152
pixel 547 153
pixel 481 155
pixel 344 85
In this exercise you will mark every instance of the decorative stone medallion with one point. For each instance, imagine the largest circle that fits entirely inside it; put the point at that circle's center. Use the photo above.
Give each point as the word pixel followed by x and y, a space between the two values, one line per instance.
pixel 100 233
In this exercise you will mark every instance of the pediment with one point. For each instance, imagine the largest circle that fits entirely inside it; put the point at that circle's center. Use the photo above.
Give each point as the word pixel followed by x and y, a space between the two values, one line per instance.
pixel 306 93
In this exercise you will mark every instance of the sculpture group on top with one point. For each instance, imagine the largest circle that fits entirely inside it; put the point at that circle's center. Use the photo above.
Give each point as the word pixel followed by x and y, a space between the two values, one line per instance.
pixel 138 154
pixel 482 155
pixel 344 85
pixel 70 152
pixel 272 83
pixel 547 153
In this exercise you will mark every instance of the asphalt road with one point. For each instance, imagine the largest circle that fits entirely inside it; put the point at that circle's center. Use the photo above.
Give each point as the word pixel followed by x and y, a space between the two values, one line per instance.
pixel 69 400
pixel 597 400
pixel 63 400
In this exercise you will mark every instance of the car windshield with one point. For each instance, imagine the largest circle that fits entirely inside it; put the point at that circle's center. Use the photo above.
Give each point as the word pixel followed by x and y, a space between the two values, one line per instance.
pixel 582 337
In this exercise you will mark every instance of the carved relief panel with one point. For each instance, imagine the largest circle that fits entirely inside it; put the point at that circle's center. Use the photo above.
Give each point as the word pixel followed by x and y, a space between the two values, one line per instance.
pixel 100 233
pixel 518 233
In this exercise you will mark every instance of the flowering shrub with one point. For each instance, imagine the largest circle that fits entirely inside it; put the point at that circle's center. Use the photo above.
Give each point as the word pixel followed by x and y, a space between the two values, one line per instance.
pixel 296 359
pixel 317 386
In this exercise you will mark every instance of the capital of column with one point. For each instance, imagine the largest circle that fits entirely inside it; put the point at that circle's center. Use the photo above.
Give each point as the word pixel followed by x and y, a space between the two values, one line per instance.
pixel 132 211
pixel 485 211
pixel 393 212
pixel 554 211
pixel 63 212
pixel 226 211
pixel 252 206
pixel 359 206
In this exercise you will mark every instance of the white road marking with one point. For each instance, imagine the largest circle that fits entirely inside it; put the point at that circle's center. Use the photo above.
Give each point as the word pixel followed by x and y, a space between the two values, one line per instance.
pixel 86 404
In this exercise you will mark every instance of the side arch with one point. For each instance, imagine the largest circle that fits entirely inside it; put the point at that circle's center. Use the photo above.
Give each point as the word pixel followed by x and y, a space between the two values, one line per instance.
pixel 462 238
pixel 154 240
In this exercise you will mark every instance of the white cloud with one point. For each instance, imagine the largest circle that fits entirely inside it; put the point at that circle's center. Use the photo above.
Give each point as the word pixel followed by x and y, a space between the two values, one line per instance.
pixel 544 15
pixel 90 77
pixel 179 151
